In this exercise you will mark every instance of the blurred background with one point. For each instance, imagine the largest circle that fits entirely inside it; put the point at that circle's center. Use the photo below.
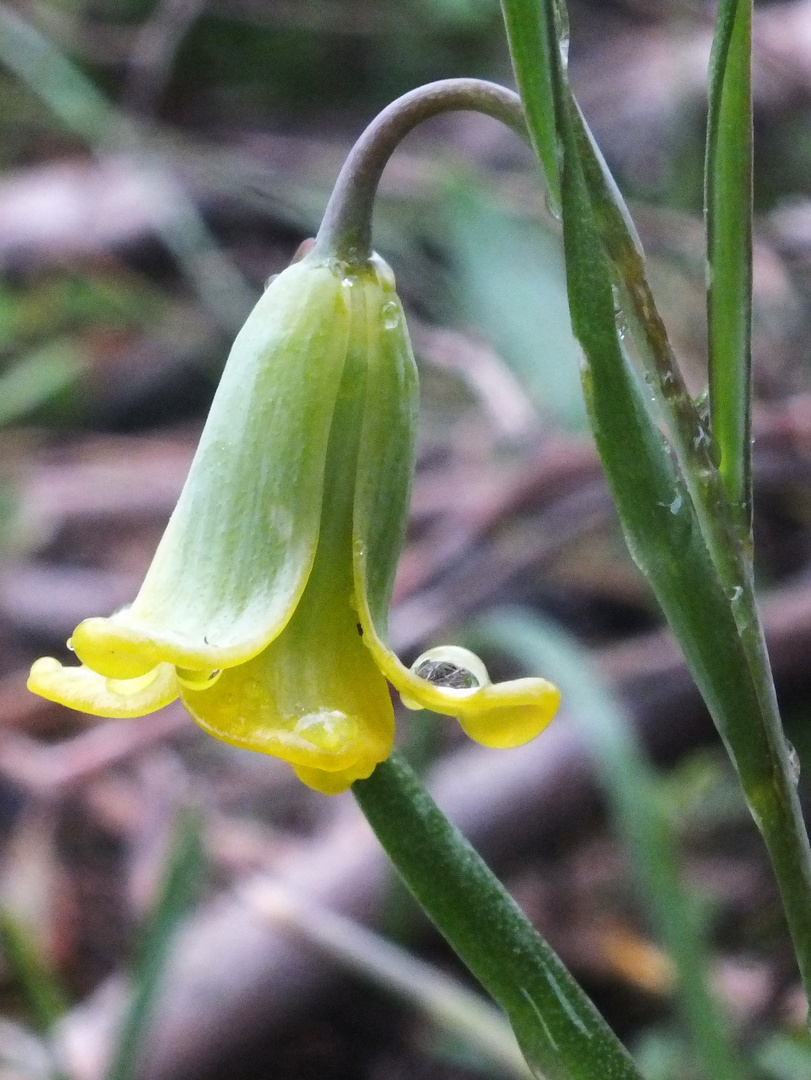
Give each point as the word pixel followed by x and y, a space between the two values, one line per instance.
pixel 158 161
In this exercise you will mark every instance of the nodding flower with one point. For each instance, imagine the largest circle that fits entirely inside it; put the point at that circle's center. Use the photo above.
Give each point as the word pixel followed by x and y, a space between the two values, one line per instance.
pixel 266 604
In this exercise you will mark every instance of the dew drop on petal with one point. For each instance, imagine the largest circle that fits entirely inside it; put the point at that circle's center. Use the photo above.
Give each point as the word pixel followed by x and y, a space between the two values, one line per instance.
pixel 391 315
pixel 329 730
pixel 444 673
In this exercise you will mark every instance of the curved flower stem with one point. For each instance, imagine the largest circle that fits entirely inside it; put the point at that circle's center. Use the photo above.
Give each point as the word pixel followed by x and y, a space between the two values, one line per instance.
pixel 346 231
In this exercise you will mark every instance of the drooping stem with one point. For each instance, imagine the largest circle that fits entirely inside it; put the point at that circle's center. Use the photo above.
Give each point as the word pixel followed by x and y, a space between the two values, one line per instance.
pixel 560 1032
pixel 346 230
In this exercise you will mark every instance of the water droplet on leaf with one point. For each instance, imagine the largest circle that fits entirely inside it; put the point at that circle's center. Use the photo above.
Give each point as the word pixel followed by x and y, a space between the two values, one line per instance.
pixel 793 762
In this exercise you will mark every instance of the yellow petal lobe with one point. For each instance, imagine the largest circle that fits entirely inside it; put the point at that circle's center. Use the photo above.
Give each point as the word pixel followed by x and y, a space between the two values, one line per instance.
pixel 86 690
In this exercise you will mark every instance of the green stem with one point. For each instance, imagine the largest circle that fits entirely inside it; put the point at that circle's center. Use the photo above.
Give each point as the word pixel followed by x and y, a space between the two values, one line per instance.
pixel 346 230
pixel 558 1028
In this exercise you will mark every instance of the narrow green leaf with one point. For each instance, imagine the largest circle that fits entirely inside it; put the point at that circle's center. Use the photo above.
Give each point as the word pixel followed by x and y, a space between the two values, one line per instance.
pixel 39 985
pixel 687 542
pixel 530 45
pixel 560 1032
pixel 35 379
pixel 633 791
pixel 83 109
pixel 181 879
pixel 511 282
pixel 728 203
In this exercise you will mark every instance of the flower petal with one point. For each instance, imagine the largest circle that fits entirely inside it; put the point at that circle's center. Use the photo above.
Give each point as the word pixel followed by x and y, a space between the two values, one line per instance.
pixel 85 690
pixel 326 708
pixel 502 715
pixel 499 715
pixel 385 460
pixel 239 546
pixel 333 783
pixel 314 695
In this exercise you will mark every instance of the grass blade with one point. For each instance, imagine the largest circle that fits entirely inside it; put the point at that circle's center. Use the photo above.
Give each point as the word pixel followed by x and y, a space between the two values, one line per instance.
pixel 75 100
pixel 180 881
pixel 43 994
pixel 530 46
pixel 679 523
pixel 728 204
pixel 35 379
pixel 631 786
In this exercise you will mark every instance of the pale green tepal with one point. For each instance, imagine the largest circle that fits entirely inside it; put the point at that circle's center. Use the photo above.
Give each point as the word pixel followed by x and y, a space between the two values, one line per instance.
pixel 266 604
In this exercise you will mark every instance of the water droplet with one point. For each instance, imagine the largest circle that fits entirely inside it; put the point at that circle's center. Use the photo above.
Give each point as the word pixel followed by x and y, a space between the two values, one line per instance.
pixel 793 762
pixel 444 673
pixel 702 439
pixel 198 680
pixel 735 593
pixel 329 729
pixel 676 505
pixel 349 279
pixel 564 51
pixel 561 14
pixel 70 645
pixel 391 314
pixel 269 281
pixel 702 404
pixel 552 207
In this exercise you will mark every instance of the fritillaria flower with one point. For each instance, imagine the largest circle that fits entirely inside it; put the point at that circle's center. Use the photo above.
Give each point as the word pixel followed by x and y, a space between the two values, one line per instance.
pixel 266 604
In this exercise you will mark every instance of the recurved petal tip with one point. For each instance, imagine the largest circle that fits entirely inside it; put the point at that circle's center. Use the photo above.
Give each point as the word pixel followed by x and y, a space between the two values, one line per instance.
pixel 454 681
pixel 85 690
pixel 509 714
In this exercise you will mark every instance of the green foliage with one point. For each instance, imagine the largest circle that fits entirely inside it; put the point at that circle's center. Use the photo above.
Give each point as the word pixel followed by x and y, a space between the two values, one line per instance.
pixel 728 198
pixel 786 1057
pixel 511 283
pixel 680 525
pixel 640 809
pixel 41 989
pixel 179 887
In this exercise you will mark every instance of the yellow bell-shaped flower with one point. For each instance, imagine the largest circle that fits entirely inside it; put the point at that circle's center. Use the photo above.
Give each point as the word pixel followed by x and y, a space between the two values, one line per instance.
pixel 266 604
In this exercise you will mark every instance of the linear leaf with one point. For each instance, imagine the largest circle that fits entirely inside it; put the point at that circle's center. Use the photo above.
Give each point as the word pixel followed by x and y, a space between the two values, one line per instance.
pixel 728 203
pixel 180 880
pixel 40 986
pixel 530 46
pixel 634 797
pixel 693 553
